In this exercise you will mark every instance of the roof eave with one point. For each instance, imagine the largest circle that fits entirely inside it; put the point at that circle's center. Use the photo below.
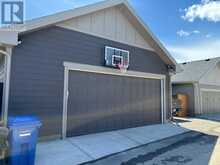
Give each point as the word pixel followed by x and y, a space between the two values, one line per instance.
pixel 8 37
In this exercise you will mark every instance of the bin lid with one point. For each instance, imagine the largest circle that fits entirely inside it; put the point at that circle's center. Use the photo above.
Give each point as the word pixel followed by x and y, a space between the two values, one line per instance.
pixel 23 120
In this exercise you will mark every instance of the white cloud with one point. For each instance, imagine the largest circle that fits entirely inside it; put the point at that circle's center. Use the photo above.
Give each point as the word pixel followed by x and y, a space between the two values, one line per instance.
pixel 208 9
pixel 198 51
pixel 183 33
pixel 196 32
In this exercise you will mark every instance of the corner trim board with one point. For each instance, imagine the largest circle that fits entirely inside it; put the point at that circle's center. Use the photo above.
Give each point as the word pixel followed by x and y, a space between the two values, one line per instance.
pixel 6 86
pixel 65 101
pixel 108 71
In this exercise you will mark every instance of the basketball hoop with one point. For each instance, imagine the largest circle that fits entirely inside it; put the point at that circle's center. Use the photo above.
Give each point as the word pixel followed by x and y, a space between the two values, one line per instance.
pixel 122 68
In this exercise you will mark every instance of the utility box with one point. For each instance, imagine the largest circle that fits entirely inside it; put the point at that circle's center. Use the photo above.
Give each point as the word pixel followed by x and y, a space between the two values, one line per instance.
pixel 23 134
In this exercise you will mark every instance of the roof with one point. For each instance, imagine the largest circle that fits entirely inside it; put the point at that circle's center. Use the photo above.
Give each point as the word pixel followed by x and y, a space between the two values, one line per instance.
pixel 194 71
pixel 46 21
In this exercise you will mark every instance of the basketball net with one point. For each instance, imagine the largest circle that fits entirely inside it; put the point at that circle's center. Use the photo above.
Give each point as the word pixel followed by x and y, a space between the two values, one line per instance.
pixel 122 68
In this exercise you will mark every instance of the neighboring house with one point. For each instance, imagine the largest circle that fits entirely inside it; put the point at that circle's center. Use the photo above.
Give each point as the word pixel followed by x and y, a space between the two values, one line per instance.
pixel 200 80
pixel 58 72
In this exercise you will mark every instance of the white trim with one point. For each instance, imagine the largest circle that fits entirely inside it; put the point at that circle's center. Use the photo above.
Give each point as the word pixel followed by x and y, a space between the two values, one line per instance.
pixel 165 101
pixel 148 31
pixel 65 101
pixel 162 101
pixel 3 52
pixel 104 70
pixel 6 85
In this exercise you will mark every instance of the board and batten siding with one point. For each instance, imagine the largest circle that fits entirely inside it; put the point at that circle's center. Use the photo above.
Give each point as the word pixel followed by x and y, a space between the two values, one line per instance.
pixel 37 73
pixel 109 23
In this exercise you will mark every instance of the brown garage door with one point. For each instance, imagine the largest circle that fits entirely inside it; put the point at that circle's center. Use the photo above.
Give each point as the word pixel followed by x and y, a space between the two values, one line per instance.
pixel 99 102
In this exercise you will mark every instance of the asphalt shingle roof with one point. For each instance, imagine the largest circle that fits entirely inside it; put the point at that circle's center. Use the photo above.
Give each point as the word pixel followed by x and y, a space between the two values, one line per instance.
pixel 193 71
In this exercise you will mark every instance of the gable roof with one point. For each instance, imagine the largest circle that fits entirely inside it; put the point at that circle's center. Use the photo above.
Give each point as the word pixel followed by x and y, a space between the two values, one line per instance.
pixel 50 20
pixel 194 71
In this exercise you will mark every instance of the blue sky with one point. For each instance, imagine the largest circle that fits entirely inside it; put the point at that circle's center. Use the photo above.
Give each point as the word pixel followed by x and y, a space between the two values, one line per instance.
pixel 189 29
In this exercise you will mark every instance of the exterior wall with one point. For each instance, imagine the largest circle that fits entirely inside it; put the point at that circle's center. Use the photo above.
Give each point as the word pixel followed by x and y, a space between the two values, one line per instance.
pixel 110 23
pixel 189 90
pixel 37 73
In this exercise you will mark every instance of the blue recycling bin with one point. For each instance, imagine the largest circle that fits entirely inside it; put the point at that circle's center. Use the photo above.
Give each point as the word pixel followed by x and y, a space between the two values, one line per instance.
pixel 23 134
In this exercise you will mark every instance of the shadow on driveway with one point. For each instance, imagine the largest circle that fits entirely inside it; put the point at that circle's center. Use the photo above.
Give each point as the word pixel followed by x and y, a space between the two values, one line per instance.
pixel 188 149
pixel 212 117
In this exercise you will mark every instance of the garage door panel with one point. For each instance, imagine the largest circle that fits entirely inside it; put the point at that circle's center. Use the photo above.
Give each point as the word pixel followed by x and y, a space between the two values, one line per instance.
pixel 99 102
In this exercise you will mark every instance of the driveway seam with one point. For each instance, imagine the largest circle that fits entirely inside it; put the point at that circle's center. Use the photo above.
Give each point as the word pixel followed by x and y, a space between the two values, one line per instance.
pixel 130 138
pixel 87 154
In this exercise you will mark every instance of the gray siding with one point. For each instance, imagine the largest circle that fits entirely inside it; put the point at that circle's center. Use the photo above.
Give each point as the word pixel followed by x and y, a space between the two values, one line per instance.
pixel 189 90
pixel 37 70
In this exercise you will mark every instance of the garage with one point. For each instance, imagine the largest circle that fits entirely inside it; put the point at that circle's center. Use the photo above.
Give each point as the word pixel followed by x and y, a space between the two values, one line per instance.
pixel 210 101
pixel 105 101
pixel 100 69
pixel 200 81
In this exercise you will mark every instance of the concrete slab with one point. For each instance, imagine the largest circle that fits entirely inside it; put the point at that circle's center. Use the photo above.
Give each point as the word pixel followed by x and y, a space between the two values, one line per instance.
pixel 82 149
pixel 59 152
pixel 144 135
pixel 99 145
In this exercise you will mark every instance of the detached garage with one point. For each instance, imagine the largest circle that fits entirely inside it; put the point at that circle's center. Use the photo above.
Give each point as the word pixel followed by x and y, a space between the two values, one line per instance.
pixel 200 80
pixel 93 69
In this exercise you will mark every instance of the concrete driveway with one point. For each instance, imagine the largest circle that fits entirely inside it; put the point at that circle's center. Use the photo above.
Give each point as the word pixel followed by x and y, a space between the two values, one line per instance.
pixel 200 146
pixel 210 127
pixel 188 149
pixel 82 149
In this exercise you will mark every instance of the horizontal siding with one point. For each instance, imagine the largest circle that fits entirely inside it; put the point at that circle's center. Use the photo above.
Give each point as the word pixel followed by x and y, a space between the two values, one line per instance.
pixel 37 70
